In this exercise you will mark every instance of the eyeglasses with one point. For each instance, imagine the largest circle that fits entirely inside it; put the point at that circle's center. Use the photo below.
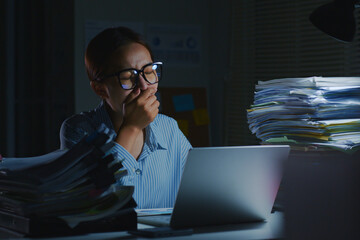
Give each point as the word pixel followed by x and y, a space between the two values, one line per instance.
pixel 128 78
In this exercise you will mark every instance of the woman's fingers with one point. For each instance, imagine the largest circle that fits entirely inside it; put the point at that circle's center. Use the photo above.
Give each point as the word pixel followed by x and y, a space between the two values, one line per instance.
pixel 141 108
pixel 133 95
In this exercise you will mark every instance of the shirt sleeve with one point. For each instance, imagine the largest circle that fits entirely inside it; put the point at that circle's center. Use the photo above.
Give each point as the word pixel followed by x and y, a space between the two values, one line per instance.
pixel 121 153
pixel 73 130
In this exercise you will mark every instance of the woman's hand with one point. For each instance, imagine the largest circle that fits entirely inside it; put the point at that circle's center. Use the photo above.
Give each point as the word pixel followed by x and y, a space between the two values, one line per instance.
pixel 140 108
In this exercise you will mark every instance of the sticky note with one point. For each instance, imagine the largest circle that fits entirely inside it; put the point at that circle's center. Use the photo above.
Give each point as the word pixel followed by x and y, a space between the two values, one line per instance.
pixel 201 116
pixel 184 126
pixel 183 102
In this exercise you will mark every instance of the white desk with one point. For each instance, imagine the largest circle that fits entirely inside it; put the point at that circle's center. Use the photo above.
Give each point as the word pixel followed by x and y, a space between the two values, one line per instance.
pixel 272 229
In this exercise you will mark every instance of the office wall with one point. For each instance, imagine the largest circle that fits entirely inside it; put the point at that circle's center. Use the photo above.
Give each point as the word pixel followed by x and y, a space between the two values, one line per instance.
pixel 213 21
pixel 3 145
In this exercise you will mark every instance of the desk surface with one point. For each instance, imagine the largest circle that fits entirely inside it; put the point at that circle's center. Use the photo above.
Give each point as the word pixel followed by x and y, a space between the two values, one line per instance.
pixel 271 229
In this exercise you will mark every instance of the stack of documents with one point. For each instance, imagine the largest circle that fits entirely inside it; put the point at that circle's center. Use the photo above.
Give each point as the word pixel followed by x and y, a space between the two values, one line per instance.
pixel 314 112
pixel 73 186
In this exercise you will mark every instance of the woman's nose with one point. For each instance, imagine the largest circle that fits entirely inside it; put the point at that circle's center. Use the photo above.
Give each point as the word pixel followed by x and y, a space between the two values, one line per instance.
pixel 142 84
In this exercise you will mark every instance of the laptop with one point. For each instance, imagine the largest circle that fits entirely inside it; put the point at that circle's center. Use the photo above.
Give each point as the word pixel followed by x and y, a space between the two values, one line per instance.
pixel 225 185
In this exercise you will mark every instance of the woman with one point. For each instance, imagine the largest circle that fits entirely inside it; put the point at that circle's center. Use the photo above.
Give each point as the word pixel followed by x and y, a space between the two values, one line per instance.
pixel 123 74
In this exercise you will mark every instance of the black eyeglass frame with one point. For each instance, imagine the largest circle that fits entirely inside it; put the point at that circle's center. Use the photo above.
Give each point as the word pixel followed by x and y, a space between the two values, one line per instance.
pixel 141 71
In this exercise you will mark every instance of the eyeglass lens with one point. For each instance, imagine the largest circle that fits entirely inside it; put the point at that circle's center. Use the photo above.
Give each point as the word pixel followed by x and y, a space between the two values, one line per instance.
pixel 151 73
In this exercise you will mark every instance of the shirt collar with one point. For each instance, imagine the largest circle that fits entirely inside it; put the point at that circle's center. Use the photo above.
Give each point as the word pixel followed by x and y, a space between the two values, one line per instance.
pixel 154 139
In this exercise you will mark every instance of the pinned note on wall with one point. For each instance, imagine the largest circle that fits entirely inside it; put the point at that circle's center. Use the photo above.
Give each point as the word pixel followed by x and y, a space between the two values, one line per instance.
pixel 201 116
pixel 184 102
pixel 184 126
pixel 189 107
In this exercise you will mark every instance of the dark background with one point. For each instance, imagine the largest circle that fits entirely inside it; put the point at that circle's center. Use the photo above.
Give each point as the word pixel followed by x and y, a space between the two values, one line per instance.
pixel 243 42
pixel 42 59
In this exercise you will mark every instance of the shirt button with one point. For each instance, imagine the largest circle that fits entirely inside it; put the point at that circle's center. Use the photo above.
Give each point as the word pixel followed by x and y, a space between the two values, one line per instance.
pixel 138 171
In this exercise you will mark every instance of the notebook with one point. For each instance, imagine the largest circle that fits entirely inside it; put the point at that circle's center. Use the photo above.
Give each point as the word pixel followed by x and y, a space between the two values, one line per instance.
pixel 225 185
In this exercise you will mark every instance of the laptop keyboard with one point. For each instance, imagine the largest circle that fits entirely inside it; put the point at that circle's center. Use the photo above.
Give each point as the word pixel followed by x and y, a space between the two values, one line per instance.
pixel 158 220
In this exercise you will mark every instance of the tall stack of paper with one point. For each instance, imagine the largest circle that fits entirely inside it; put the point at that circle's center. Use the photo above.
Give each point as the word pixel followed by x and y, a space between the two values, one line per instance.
pixel 314 112
pixel 69 188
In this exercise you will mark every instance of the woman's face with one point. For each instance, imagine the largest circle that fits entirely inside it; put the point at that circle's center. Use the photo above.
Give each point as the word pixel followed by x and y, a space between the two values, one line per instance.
pixel 133 55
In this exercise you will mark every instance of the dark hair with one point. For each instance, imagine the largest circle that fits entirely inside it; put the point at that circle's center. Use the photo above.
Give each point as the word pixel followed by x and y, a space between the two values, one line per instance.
pixel 103 45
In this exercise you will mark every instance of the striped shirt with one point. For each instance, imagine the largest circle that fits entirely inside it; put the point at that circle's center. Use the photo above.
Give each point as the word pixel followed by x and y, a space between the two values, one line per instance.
pixel 157 172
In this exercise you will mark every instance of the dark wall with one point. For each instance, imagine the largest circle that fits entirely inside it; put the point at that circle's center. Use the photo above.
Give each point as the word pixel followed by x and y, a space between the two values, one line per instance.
pixel 2 79
pixel 43 73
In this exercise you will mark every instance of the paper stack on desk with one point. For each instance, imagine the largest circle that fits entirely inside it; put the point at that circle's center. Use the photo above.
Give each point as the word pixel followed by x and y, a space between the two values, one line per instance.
pixel 314 112
pixel 67 187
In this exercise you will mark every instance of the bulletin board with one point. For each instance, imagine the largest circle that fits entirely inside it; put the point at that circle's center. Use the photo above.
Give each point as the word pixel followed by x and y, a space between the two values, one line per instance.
pixel 188 106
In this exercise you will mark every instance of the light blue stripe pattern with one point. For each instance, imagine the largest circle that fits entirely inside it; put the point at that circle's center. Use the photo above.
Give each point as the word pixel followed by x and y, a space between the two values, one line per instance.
pixel 157 172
